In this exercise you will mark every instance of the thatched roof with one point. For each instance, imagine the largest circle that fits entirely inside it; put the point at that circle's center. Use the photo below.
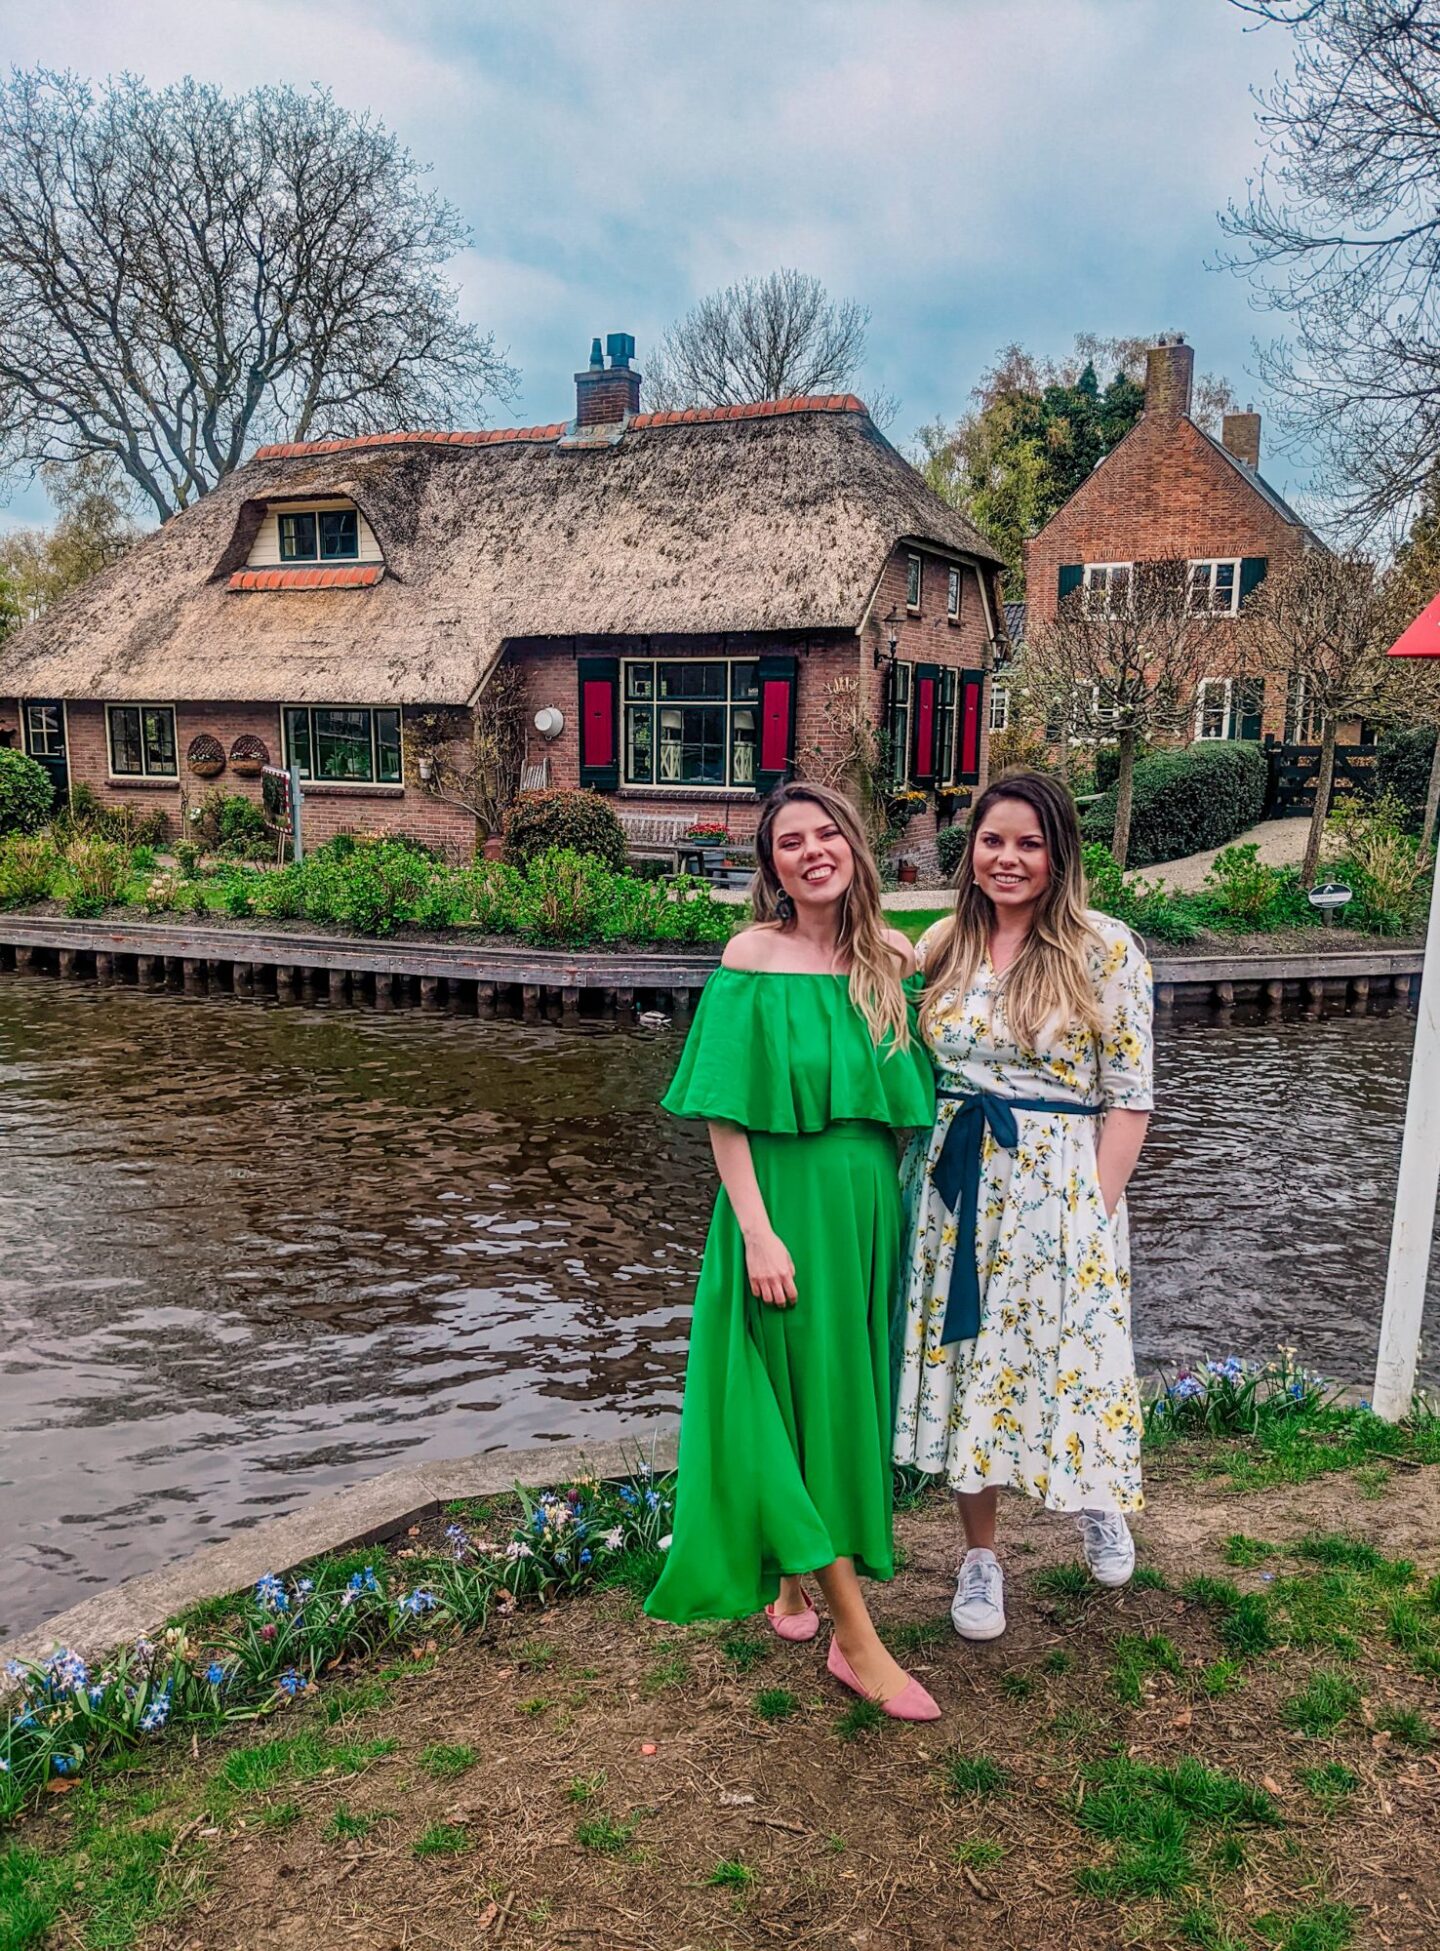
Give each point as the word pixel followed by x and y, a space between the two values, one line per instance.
pixel 777 518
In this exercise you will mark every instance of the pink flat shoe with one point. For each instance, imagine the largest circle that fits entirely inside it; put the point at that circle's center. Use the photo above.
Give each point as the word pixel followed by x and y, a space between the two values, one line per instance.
pixel 912 1703
pixel 796 1626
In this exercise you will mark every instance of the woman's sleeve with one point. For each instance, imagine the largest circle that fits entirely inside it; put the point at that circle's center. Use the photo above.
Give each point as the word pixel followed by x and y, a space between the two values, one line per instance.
pixel 924 946
pixel 1127 1025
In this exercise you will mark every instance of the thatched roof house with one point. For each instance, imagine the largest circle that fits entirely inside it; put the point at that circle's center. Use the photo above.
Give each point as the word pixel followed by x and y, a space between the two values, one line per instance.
pixel 772 524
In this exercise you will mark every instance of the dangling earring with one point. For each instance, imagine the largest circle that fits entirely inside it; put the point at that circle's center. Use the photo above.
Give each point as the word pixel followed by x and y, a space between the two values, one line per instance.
pixel 785 907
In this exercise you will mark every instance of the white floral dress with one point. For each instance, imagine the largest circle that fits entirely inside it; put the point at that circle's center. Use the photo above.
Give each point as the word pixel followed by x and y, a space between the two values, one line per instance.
pixel 1044 1398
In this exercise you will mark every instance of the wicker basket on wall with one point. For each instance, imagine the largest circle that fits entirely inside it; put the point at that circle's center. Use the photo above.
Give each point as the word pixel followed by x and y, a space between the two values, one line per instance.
pixel 205 755
pixel 249 756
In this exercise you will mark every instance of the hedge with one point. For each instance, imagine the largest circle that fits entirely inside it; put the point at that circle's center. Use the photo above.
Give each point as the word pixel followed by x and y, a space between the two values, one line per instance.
pixel 25 793
pixel 1203 795
pixel 578 822
pixel 1404 769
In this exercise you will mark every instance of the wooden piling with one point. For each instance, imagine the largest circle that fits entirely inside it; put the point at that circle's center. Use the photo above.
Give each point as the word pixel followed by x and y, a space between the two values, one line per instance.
pixel 1225 994
pixel 285 983
pixel 485 998
pixel 66 961
pixel 429 992
pixel 244 980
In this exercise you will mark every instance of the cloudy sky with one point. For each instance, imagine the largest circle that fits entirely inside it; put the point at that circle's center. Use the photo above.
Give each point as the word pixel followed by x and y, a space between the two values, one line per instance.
pixel 974 171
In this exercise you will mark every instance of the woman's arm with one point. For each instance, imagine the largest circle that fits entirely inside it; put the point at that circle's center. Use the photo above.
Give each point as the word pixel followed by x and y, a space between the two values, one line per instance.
pixel 771 1270
pixel 1122 1133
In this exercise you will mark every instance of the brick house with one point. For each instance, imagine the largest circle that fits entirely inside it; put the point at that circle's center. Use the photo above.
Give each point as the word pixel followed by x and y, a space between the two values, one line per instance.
pixel 695 601
pixel 1168 490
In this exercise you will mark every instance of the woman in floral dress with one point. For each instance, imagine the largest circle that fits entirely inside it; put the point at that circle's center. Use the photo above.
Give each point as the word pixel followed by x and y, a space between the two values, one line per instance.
pixel 1016 1368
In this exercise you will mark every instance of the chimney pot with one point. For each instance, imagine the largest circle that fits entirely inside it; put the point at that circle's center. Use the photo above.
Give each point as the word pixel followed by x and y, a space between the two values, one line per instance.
pixel 607 396
pixel 1169 375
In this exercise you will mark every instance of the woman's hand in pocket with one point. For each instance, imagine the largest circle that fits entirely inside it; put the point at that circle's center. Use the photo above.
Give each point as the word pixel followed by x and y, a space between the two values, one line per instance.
pixel 770 1268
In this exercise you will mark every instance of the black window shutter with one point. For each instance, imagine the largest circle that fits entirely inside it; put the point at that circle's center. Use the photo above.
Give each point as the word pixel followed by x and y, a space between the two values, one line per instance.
pixel 1072 575
pixel 1252 574
pixel 600 723
pixel 969 727
pixel 924 685
pixel 776 679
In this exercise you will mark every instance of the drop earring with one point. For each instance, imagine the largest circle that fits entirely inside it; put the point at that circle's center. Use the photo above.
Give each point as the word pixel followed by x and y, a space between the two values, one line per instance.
pixel 785 907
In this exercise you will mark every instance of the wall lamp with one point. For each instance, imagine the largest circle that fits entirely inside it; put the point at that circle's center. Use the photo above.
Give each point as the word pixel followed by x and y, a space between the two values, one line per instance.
pixel 886 658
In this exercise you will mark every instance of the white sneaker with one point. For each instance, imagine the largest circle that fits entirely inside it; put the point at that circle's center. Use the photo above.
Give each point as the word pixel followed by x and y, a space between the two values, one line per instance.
pixel 1109 1548
pixel 978 1608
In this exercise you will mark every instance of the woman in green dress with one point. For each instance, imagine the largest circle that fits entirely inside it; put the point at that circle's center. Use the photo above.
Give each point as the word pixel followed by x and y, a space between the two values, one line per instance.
pixel 803 1063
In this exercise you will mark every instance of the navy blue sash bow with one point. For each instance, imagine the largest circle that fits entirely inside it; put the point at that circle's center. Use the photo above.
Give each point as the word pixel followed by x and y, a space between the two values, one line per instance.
pixel 956 1177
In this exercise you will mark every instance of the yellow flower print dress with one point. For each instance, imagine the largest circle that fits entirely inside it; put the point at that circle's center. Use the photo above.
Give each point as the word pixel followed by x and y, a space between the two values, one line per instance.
pixel 1044 1398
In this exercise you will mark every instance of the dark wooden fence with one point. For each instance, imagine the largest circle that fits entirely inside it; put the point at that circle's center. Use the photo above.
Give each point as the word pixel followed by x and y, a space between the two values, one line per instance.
pixel 1295 768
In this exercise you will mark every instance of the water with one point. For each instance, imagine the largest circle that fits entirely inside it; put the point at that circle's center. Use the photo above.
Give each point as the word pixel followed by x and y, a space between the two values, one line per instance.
pixel 248 1253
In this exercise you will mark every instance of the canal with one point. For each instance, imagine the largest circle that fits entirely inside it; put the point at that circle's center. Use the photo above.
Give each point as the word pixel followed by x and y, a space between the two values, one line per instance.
pixel 249 1252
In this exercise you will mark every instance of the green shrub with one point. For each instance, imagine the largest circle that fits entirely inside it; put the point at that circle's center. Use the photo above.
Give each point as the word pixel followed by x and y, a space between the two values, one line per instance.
pixel 1107 764
pixel 229 823
pixel 950 845
pixel 1242 892
pixel 127 826
pixel 95 875
pixel 1380 862
pixel 1203 795
pixel 29 869
pixel 1403 768
pixel 573 822
pixel 25 792
pixel 1144 906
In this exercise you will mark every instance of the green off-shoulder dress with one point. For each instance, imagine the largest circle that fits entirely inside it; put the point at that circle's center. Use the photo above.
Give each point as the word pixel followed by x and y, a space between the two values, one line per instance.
pixel 785 1430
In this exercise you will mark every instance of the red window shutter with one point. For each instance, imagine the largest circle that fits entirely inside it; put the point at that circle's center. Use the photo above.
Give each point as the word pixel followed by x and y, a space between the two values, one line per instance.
pixel 971 702
pixel 922 725
pixel 776 677
pixel 599 723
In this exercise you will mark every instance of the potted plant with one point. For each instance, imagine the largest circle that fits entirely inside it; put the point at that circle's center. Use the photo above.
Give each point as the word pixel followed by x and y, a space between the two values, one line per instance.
pixel 907 871
pixel 706 833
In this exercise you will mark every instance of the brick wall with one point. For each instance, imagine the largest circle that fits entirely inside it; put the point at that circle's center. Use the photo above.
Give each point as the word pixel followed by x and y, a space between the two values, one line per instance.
pixel 328 810
pixel 1162 493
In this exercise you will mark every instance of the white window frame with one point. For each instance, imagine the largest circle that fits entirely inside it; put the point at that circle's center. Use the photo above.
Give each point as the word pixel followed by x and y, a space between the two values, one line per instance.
pixel 952 595
pixel 143 777
pixel 732 783
pixel 914 577
pixel 1307 720
pixel 1213 564
pixel 1227 693
pixel 28 749
pixel 999 710
pixel 318 780
pixel 900 764
pixel 1108 570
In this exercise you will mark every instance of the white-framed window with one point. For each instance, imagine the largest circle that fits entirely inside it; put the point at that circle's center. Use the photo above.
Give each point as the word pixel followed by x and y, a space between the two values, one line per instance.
pixel 344 745
pixel 897 723
pixel 1304 717
pixel 999 705
pixel 913 573
pixel 1212 708
pixel 1215 586
pixel 952 596
pixel 693 721
pixel 319 535
pixel 45 731
pixel 947 688
pixel 141 741
pixel 1106 587
pixel 1093 714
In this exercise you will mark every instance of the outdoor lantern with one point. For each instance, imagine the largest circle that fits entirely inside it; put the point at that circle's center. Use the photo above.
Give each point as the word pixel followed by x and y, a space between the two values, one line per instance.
pixel 892 642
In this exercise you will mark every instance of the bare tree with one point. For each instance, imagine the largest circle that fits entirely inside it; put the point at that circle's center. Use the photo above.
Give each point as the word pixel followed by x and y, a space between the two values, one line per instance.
pixel 183 273
pixel 1341 235
pixel 1123 662
pixel 1323 622
pixel 764 339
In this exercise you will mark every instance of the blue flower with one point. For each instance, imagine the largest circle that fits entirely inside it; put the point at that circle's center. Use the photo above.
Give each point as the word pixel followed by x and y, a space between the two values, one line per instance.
pixel 627 1495
pixel 214 1674
pixel 305 1588
pixel 1186 1387
pixel 418 1601
pixel 270 1592
pixel 63 1764
pixel 291 1683
pixel 365 1581
pixel 97 1694
pixel 156 1714
pixel 66 1671
pixel 1297 1389
pixel 585 1558
pixel 4 1766
pixel 652 1500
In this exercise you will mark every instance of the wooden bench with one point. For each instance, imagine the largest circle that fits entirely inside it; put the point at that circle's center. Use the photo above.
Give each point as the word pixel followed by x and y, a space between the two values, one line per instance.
pixel 654 836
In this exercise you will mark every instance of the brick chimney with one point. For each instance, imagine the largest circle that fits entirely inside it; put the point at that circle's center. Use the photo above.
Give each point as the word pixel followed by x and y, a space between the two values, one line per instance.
pixel 1169 371
pixel 1240 436
pixel 607 395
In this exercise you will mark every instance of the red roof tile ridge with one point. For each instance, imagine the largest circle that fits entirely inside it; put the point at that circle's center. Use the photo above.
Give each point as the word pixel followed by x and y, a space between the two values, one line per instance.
pixel 353 575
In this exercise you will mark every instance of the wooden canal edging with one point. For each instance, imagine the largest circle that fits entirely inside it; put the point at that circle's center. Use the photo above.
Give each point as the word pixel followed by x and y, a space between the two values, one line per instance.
pixel 561 985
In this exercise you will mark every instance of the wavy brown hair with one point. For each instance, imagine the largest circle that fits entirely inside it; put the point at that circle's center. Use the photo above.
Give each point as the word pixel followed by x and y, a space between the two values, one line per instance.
pixel 1048 985
pixel 874 963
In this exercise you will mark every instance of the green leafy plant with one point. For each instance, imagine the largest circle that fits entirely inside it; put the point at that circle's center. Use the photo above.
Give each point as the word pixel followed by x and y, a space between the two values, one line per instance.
pixel 1369 850
pixel 1200 796
pixel 95 875
pixel 26 794
pixel 578 822
pixel 29 869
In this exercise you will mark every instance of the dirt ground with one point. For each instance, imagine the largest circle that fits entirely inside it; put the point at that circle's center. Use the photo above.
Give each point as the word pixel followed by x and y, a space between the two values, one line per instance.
pixel 603 1780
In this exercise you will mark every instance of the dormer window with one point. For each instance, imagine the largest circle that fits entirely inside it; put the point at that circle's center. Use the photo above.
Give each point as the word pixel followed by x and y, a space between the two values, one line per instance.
pixel 320 535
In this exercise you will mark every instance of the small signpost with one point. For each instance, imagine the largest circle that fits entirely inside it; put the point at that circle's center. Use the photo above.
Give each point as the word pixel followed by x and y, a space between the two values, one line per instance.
pixel 282 798
pixel 1420 1148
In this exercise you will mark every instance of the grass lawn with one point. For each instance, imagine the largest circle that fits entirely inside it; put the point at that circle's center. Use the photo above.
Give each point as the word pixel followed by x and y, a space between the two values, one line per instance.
pixel 914 921
pixel 1239 1752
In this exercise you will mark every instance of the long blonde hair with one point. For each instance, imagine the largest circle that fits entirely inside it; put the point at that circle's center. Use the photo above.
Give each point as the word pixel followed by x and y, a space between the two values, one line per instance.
pixel 875 981
pixel 1048 986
